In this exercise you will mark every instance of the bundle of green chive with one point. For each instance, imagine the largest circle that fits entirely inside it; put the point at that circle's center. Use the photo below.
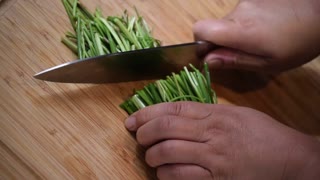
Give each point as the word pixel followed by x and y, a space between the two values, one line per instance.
pixel 96 35
pixel 186 86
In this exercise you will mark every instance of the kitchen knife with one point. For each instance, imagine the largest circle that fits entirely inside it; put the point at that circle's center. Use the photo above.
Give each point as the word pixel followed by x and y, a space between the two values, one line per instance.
pixel 152 63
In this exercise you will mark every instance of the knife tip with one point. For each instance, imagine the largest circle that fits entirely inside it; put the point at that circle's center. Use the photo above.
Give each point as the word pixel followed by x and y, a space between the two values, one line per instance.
pixel 38 75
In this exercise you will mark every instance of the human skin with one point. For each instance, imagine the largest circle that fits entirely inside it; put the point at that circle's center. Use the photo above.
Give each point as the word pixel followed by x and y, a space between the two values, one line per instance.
pixel 186 140
pixel 264 36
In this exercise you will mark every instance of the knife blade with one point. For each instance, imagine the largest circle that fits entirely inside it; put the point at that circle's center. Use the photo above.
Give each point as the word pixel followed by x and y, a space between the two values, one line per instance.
pixel 144 64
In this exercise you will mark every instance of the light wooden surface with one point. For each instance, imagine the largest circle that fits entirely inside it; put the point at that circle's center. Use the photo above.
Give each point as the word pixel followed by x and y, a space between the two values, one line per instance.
pixel 69 131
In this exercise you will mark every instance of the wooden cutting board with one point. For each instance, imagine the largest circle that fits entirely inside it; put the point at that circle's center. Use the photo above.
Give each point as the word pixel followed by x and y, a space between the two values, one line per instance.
pixel 72 131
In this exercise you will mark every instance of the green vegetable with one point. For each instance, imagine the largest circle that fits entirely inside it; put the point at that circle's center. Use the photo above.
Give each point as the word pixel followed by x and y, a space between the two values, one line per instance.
pixel 97 35
pixel 186 86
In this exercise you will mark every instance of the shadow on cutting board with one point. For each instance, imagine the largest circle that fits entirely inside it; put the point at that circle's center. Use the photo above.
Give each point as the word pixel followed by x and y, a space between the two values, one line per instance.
pixel 291 98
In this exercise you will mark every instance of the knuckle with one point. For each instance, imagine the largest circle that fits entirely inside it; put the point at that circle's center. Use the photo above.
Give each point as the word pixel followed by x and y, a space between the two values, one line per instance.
pixel 167 149
pixel 219 146
pixel 166 123
pixel 202 134
pixel 160 152
pixel 176 108
pixel 142 115
pixel 203 128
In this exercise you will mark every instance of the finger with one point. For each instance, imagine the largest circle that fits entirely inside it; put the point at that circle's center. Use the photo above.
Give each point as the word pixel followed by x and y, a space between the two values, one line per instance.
pixel 231 33
pixel 172 127
pixel 176 151
pixel 242 44
pixel 226 58
pixel 183 171
pixel 190 110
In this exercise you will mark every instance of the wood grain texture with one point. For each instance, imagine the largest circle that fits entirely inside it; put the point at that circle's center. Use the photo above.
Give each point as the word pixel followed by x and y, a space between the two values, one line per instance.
pixel 76 131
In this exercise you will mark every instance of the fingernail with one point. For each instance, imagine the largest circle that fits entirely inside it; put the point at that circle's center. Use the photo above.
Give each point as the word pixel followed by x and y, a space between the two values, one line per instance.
pixel 131 123
pixel 215 63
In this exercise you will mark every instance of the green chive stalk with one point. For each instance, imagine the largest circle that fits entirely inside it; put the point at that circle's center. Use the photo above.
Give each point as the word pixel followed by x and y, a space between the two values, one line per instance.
pixel 188 85
pixel 97 35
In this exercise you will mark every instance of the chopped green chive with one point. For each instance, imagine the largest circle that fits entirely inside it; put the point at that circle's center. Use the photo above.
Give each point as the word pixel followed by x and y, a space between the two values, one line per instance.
pixel 185 86
pixel 97 35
